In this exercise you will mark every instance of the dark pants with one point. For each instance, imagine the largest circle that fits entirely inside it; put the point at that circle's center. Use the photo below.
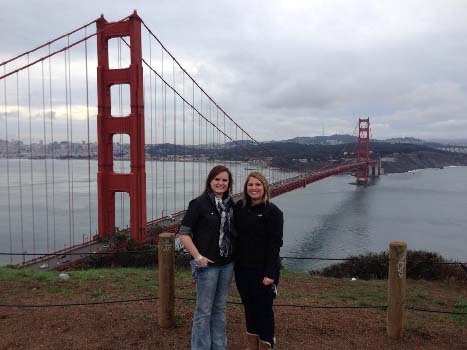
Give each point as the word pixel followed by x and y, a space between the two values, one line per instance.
pixel 257 300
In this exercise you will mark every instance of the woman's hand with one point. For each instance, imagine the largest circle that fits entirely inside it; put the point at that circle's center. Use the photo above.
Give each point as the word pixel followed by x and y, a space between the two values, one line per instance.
pixel 203 261
pixel 267 281
pixel 190 246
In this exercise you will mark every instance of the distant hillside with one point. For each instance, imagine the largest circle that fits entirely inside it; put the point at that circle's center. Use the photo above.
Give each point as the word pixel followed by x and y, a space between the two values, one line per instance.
pixel 322 140
pixel 323 151
pixel 343 139
pixel 454 142
pixel 413 141
pixel 401 163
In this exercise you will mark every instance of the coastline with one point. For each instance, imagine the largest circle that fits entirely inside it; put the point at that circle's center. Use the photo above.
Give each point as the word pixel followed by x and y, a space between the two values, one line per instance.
pixel 403 163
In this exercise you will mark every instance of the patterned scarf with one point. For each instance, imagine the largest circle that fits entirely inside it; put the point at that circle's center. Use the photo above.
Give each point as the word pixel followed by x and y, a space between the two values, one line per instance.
pixel 227 230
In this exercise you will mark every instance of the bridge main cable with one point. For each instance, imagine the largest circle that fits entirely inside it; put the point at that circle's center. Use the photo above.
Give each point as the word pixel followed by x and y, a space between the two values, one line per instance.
pixel 43 58
pixel 48 43
pixel 199 87
pixel 196 109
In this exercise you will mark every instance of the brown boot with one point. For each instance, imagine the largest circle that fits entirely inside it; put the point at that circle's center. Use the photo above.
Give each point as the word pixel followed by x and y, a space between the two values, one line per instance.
pixel 264 345
pixel 252 340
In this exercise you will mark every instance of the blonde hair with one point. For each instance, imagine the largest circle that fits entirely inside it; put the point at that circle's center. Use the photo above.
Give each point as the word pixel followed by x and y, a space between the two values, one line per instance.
pixel 261 178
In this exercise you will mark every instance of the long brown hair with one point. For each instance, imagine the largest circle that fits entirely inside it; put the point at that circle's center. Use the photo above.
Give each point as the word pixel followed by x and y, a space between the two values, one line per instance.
pixel 261 178
pixel 216 171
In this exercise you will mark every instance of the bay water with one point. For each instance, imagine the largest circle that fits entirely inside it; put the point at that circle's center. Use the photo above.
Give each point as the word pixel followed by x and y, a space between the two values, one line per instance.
pixel 335 219
pixel 331 218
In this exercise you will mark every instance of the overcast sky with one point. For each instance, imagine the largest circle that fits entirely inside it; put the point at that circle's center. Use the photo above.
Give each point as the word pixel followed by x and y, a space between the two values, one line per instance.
pixel 283 69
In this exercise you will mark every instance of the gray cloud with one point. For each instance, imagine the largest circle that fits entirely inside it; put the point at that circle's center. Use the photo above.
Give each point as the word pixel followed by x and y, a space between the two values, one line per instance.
pixel 285 69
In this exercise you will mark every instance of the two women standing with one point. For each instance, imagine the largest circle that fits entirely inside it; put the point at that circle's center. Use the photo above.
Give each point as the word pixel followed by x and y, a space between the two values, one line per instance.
pixel 213 230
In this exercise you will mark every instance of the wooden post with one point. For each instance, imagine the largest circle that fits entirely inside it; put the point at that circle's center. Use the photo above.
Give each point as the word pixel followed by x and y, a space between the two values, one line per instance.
pixel 166 291
pixel 396 289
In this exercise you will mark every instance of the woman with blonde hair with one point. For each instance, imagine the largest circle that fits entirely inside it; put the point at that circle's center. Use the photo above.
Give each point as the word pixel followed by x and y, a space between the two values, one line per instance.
pixel 259 225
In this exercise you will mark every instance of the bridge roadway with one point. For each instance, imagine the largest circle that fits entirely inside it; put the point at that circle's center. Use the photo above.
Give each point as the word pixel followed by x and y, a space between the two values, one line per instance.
pixel 293 183
pixel 61 261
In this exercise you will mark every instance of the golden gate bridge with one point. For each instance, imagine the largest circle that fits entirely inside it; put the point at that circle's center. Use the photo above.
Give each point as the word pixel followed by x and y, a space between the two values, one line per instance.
pixel 112 91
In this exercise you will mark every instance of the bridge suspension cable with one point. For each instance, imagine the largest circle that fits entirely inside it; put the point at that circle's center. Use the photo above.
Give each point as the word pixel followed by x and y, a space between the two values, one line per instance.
pixel 31 78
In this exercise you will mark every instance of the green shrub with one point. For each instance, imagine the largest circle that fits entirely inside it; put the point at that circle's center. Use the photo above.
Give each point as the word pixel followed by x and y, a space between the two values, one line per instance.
pixel 142 255
pixel 420 265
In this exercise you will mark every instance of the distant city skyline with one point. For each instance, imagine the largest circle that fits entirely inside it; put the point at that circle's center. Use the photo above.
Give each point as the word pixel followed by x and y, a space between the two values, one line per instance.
pixel 80 149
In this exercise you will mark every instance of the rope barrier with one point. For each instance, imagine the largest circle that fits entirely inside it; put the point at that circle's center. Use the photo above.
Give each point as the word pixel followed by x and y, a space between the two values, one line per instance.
pixel 333 306
pixel 121 301
pixel 435 311
pixel 282 257
pixel 23 306
pixel 313 258
pixel 306 306
pixel 79 254
pixel 438 262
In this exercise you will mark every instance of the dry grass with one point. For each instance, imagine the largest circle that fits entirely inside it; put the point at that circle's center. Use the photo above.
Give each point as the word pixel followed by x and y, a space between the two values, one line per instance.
pixel 134 325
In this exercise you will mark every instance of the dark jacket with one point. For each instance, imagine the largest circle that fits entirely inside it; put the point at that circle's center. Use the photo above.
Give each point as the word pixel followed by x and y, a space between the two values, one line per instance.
pixel 260 232
pixel 202 221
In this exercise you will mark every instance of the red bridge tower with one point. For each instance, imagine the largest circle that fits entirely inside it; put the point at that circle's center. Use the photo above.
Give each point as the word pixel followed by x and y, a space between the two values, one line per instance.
pixel 109 182
pixel 363 143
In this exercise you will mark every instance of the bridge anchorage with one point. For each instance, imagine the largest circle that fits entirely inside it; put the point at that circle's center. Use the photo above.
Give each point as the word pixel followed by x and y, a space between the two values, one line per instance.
pixel 153 130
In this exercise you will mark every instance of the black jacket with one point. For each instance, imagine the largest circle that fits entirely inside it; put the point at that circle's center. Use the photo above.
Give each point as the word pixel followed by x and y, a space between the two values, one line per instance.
pixel 260 232
pixel 203 221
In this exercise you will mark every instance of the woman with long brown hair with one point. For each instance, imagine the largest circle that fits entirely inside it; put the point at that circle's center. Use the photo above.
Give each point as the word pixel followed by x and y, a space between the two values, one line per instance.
pixel 207 232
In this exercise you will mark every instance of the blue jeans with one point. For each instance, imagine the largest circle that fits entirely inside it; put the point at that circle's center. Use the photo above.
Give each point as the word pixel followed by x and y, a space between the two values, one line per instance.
pixel 209 320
